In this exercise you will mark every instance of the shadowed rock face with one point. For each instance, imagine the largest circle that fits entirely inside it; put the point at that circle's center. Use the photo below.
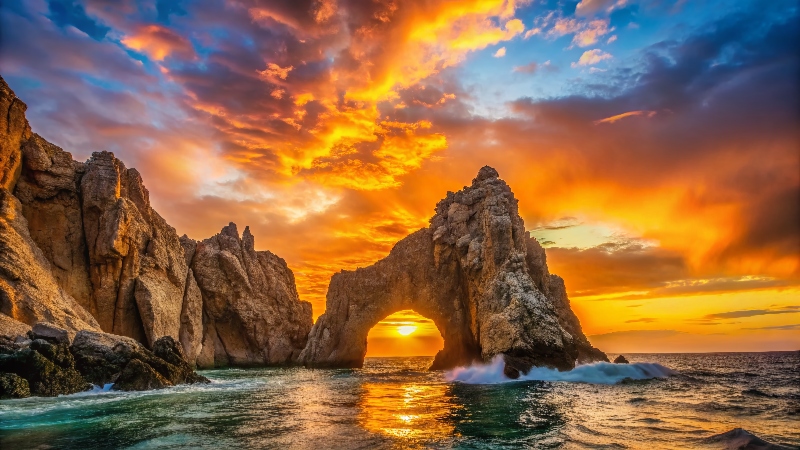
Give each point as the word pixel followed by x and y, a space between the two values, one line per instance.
pixel 476 273
pixel 253 315
pixel 81 247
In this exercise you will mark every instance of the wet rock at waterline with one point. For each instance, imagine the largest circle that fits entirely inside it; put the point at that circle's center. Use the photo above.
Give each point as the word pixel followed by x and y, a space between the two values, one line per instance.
pixel 52 367
pixel 105 358
pixel 740 439
pixel 621 360
pixel 477 274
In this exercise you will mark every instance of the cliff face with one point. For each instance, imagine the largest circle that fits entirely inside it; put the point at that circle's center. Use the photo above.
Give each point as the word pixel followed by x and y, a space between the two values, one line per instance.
pixel 477 274
pixel 251 302
pixel 87 251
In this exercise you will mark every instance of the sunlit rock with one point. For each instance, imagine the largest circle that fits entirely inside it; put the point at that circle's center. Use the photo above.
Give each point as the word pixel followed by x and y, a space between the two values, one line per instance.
pixel 477 274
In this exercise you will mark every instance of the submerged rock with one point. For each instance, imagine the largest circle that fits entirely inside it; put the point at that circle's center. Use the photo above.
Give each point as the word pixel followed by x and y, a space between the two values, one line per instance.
pixel 477 274
pixel 740 439
pixel 621 360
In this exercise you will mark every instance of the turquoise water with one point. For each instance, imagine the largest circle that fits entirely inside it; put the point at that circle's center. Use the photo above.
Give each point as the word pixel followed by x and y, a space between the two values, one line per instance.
pixel 396 403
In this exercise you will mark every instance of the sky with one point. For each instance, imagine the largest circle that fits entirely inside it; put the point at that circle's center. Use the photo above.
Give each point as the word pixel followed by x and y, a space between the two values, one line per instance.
pixel 654 146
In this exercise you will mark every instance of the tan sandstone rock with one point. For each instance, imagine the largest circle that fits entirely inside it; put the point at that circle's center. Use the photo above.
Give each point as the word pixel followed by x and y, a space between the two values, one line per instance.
pixel 15 131
pixel 28 291
pixel 253 315
pixel 476 273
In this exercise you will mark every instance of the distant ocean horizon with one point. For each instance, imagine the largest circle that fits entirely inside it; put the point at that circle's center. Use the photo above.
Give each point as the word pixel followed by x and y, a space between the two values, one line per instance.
pixel 660 400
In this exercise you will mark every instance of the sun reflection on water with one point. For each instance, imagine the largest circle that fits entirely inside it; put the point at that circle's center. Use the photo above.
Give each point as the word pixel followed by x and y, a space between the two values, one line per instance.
pixel 411 411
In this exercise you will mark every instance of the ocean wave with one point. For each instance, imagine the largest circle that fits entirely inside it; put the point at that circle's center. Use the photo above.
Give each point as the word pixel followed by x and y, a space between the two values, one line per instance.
pixel 595 373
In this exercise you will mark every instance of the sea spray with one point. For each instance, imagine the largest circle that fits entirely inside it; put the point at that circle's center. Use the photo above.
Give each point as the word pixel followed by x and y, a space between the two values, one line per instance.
pixel 595 373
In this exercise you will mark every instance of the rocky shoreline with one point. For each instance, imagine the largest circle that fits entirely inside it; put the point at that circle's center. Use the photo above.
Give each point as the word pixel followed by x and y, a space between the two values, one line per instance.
pixel 47 363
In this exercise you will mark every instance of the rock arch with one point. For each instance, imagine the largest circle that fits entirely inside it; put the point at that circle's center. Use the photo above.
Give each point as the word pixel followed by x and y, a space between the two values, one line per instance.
pixel 476 273
pixel 358 300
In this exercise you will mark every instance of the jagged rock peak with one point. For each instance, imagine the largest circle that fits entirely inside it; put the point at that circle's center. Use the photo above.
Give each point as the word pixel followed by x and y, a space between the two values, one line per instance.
pixel 485 173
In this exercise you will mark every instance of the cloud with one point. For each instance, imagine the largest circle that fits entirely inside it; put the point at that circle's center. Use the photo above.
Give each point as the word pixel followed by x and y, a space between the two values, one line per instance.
pixel 791 327
pixel 529 68
pixel 591 57
pixel 500 52
pixel 642 320
pixel 591 33
pixel 585 33
pixel 611 39
pixel 617 117
pixel 589 7
pixel 751 313
pixel 71 13
pixel 158 42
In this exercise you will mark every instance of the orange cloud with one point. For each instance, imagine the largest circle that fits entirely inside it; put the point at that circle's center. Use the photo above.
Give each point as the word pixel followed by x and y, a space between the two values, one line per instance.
pixel 613 119
pixel 591 57
pixel 158 42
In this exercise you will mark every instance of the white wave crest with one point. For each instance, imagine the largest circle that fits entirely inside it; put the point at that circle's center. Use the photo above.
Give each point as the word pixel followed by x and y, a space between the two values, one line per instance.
pixel 595 373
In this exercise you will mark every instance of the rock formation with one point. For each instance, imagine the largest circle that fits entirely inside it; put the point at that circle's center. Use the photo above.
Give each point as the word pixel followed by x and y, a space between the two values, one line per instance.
pixel 476 273
pixel 253 315
pixel 49 363
pixel 82 248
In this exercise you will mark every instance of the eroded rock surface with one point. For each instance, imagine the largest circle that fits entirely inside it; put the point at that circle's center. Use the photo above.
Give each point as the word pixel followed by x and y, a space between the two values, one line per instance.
pixel 476 273
pixel 252 313
pixel 15 130
pixel 28 291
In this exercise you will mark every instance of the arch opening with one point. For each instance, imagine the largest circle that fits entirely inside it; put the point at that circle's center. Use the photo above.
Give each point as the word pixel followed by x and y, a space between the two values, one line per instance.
pixel 404 333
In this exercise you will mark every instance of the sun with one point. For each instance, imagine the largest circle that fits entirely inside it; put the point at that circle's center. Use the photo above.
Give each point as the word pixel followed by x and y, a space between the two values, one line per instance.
pixel 405 330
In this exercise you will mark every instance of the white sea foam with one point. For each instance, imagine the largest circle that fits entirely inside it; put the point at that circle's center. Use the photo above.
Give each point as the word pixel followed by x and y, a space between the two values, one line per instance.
pixel 595 373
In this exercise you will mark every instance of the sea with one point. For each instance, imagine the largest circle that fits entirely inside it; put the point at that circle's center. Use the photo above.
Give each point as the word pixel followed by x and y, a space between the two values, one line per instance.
pixel 659 401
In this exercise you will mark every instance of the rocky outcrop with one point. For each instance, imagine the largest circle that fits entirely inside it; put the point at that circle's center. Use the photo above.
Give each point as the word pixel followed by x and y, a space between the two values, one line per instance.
pixel 477 274
pixel 106 358
pixel 48 368
pixel 621 360
pixel 252 313
pixel 82 248
pixel 50 364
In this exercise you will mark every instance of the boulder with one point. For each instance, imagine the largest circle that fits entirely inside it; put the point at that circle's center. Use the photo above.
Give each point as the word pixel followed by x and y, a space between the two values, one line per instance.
pixel 139 376
pixel 621 360
pixel 48 368
pixel 13 386
pixel 102 358
pixel 477 274
pixel 49 332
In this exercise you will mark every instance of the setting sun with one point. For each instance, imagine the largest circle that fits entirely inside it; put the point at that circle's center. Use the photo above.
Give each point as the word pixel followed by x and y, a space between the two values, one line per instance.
pixel 405 330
